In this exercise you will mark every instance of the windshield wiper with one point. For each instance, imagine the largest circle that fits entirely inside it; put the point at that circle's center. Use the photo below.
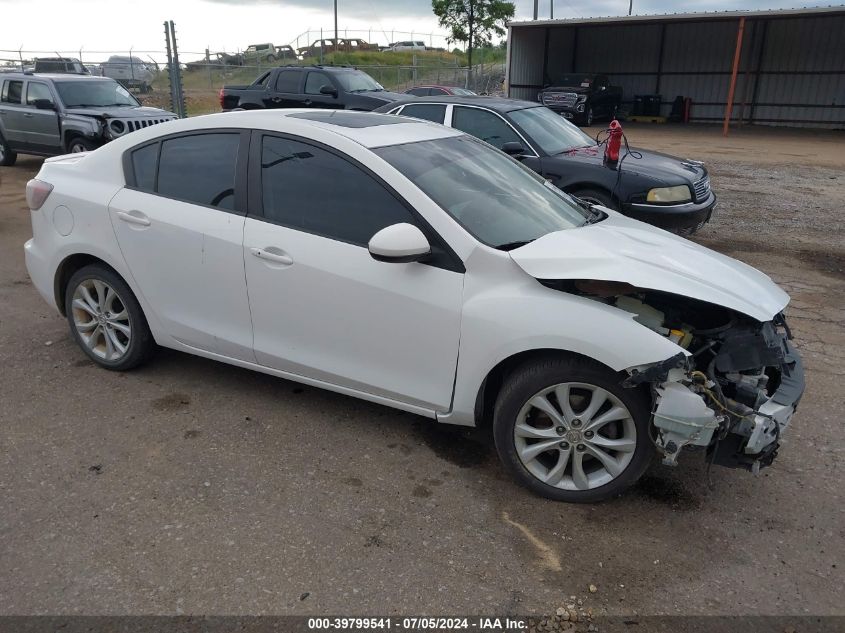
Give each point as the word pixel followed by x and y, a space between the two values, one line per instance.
pixel 509 246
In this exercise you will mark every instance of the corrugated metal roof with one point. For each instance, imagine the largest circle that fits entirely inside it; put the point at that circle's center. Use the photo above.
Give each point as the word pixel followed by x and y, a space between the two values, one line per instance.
pixel 681 17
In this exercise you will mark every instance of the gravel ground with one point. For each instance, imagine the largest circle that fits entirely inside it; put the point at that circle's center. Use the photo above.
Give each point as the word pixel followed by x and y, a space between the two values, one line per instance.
pixel 192 487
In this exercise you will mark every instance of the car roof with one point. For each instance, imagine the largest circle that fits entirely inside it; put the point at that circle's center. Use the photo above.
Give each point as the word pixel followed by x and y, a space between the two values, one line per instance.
pixel 54 76
pixel 365 128
pixel 497 104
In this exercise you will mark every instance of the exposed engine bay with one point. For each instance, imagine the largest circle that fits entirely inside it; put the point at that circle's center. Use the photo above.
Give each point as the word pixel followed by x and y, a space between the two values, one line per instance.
pixel 732 394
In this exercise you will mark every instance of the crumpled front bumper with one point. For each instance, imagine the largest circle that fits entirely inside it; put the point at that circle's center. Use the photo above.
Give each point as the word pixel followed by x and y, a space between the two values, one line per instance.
pixel 687 413
pixel 754 442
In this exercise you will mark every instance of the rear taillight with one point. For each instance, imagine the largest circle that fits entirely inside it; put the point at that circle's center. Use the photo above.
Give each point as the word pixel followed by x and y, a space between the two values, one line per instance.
pixel 37 192
pixel 220 94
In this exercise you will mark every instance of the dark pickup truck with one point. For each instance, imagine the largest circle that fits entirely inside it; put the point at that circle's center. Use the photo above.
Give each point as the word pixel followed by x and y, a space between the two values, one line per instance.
pixel 335 87
pixel 582 97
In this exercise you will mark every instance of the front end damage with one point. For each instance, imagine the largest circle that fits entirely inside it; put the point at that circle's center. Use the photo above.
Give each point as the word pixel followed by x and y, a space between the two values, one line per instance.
pixel 731 393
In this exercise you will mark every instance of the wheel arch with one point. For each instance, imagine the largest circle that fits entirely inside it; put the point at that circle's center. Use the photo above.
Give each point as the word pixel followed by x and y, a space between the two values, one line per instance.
pixel 571 188
pixel 66 269
pixel 493 382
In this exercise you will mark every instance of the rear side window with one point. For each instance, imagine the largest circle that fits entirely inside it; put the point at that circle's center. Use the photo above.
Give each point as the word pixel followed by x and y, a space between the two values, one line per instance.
pixel 288 81
pixel 12 91
pixel 484 125
pixel 200 169
pixel 144 166
pixel 427 111
pixel 420 92
pixel 294 178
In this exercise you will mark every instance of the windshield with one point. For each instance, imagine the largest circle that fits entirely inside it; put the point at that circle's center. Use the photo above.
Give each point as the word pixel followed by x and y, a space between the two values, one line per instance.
pixel 550 131
pixel 97 93
pixel 573 80
pixel 498 200
pixel 357 81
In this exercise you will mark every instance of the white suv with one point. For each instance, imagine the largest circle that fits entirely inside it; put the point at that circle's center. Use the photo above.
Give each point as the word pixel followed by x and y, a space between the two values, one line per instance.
pixel 411 265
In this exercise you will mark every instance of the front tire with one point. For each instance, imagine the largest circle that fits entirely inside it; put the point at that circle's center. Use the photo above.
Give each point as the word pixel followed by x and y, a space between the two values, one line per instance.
pixel 567 430
pixel 7 156
pixel 106 319
pixel 596 196
pixel 78 144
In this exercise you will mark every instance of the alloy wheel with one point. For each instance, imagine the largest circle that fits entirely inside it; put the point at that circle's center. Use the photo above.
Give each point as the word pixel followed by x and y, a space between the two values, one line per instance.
pixel 101 320
pixel 575 436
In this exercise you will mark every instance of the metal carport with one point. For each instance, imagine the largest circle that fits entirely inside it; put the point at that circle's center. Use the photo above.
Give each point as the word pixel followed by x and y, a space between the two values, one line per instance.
pixel 790 70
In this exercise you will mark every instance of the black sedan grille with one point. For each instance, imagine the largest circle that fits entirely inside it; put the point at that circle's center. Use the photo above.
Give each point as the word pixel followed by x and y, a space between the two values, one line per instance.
pixel 702 189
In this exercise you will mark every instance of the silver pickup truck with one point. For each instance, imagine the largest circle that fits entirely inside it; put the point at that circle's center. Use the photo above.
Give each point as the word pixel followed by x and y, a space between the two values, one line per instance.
pixel 50 114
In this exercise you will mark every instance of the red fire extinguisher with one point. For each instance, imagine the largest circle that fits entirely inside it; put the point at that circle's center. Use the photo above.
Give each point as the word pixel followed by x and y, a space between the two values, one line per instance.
pixel 614 142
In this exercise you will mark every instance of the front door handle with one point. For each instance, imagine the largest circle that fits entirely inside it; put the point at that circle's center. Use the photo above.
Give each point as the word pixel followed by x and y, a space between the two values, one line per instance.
pixel 134 217
pixel 28 115
pixel 307 102
pixel 276 258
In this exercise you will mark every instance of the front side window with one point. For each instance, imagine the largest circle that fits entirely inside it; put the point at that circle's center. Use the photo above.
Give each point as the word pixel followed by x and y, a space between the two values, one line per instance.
pixel 200 169
pixel 497 199
pixel 35 91
pixel 311 189
pixel 485 125
pixel 12 91
pixel 427 111
pixel 315 81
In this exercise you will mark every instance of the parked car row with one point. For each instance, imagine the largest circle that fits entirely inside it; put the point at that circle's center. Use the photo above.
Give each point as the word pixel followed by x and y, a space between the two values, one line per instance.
pixel 414 265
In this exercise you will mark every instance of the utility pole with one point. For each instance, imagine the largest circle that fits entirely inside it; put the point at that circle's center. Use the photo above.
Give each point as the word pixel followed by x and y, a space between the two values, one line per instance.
pixel 536 8
pixel 551 9
pixel 630 6
pixel 335 26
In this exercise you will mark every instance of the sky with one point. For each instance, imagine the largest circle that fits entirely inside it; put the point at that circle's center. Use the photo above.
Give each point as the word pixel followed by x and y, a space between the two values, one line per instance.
pixel 97 27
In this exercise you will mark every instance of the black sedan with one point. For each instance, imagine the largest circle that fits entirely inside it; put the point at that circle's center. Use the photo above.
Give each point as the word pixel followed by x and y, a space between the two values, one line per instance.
pixel 668 192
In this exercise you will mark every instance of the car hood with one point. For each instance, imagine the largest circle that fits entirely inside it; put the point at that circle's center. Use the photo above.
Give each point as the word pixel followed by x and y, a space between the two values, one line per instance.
pixel 624 250
pixel 120 113
pixel 663 168
pixel 382 97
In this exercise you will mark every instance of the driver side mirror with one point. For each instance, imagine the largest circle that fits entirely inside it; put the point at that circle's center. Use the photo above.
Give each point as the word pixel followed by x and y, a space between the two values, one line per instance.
pixel 399 243
pixel 328 90
pixel 513 148
pixel 44 104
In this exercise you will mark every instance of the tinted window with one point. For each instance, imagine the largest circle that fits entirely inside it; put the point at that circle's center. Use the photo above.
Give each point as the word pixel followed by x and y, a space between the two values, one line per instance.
pixel 12 92
pixel 314 82
pixel 419 92
pixel 199 169
pixel 295 180
pixel 427 111
pixel 485 125
pixel 288 81
pixel 37 91
pixel 144 167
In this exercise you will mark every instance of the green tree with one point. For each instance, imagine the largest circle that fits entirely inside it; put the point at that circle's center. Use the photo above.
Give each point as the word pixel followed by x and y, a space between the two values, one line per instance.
pixel 473 21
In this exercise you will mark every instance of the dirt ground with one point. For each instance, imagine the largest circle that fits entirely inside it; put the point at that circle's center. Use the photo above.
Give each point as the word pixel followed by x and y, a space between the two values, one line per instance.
pixel 191 487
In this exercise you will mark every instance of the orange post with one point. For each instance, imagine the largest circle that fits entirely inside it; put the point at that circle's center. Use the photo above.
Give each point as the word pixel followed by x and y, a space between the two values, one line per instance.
pixel 732 89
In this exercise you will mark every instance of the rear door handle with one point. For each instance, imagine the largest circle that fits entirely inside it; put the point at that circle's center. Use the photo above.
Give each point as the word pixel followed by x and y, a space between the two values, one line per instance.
pixel 276 258
pixel 28 115
pixel 134 217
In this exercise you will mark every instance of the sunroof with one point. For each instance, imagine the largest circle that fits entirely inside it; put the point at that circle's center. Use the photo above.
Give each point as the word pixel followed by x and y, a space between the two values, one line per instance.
pixel 345 118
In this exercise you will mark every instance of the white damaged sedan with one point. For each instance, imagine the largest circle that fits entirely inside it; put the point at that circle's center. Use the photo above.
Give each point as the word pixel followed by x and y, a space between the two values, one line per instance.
pixel 411 265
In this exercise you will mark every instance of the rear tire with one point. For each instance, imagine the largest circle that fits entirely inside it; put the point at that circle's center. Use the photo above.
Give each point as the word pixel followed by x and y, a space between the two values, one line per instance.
pixel 106 319
pixel 567 430
pixel 7 155
pixel 596 196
